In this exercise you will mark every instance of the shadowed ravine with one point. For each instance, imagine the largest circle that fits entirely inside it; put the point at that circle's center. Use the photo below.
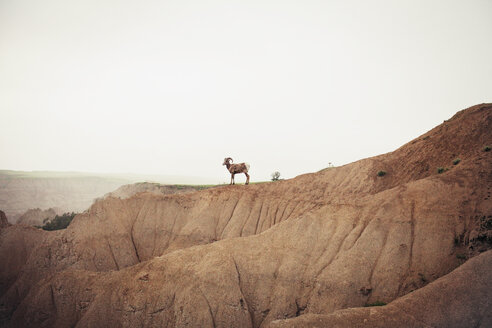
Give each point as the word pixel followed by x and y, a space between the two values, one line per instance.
pixel 244 256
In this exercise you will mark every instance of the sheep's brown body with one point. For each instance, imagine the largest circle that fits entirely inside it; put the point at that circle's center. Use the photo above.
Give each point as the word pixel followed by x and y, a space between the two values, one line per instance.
pixel 236 168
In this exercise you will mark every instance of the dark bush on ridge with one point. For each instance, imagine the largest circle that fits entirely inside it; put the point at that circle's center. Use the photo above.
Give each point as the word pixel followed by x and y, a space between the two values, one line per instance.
pixel 377 303
pixel 59 222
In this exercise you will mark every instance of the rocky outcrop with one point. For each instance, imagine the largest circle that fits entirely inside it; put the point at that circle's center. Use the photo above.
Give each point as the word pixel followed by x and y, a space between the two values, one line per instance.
pixel 3 220
pixel 17 242
pixel 37 216
pixel 245 256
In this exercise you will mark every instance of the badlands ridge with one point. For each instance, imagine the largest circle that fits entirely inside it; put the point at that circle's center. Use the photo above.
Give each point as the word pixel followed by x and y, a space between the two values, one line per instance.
pixel 309 251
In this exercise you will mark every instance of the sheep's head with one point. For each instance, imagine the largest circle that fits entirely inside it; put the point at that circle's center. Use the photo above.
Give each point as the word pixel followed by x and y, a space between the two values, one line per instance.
pixel 227 160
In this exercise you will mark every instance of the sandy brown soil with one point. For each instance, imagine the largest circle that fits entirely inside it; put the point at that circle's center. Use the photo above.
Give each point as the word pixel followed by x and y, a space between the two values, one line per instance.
pixel 249 256
pixel 462 298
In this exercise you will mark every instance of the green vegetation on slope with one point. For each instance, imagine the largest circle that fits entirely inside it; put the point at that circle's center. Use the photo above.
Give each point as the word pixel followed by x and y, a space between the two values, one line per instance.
pixel 59 222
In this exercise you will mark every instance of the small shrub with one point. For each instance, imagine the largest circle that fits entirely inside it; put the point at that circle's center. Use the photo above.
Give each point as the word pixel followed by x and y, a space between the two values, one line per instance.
pixel 486 148
pixel 486 222
pixel 196 187
pixel 381 173
pixel 423 278
pixel 456 161
pixel 330 166
pixel 442 169
pixel 275 176
pixel 59 222
pixel 377 303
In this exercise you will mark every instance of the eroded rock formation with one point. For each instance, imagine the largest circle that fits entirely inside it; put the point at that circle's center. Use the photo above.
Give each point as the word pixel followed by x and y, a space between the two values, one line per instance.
pixel 462 298
pixel 37 216
pixel 246 256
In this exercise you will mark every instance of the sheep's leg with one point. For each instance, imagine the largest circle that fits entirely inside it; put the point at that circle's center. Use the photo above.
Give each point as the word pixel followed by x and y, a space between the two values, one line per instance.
pixel 247 177
pixel 232 178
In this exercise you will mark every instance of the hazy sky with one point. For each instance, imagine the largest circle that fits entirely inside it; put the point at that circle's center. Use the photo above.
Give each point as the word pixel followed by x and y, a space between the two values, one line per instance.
pixel 173 87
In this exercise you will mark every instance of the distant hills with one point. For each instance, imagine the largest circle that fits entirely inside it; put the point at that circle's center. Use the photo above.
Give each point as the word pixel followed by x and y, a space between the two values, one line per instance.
pixel 68 191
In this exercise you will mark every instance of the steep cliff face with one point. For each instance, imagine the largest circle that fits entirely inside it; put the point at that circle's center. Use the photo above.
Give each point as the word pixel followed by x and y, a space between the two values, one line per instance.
pixel 248 255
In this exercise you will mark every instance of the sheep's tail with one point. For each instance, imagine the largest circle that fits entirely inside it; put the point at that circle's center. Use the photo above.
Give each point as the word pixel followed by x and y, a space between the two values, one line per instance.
pixel 247 166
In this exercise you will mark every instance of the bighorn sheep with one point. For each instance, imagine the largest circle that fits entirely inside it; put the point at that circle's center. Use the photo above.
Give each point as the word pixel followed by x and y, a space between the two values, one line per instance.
pixel 236 168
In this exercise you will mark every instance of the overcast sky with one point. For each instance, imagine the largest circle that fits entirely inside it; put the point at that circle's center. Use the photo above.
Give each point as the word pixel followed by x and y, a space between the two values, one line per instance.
pixel 173 87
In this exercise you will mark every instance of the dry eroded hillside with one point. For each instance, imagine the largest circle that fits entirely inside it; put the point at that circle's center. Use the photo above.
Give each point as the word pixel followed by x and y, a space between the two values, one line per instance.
pixel 314 248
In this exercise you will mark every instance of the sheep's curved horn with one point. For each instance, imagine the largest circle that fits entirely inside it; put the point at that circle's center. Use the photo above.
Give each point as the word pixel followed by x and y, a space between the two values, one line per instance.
pixel 231 159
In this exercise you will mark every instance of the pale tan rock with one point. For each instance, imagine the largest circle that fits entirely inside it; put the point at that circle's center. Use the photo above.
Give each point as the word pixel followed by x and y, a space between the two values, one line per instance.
pixel 37 216
pixel 242 256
